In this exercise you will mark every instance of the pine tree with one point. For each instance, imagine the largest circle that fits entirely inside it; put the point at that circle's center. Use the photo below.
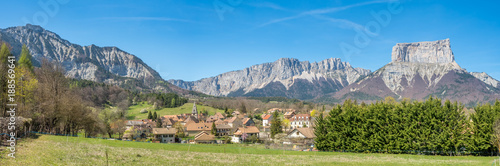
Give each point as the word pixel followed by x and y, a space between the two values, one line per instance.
pixel 173 104
pixel 155 116
pixel 214 129
pixel 25 59
pixel 320 132
pixel 4 54
pixel 275 124
pixel 158 122
pixel 150 116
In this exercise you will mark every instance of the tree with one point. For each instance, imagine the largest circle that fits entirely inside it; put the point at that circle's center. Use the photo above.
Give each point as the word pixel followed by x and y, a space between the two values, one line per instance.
pixel 158 122
pixel 214 129
pixel 173 104
pixel 321 132
pixel 275 124
pixel 155 116
pixel 25 59
pixel 313 113
pixel 180 130
pixel 286 124
pixel 243 108
pixel 119 127
pixel 150 116
pixel 4 54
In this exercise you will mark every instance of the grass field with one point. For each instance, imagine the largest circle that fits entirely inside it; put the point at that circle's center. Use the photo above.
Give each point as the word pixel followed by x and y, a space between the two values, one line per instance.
pixel 134 111
pixel 60 150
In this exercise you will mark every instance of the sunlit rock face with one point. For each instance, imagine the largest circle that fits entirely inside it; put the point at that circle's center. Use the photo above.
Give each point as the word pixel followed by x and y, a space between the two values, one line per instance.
pixel 287 77
pixel 423 52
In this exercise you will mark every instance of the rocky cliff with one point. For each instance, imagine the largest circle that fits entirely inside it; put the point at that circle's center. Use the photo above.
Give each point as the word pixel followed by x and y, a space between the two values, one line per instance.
pixel 285 77
pixel 423 52
pixel 419 70
pixel 102 64
pixel 82 62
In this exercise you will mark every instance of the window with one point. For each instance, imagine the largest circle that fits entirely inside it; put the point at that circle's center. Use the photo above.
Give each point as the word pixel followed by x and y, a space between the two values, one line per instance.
pixel 297 133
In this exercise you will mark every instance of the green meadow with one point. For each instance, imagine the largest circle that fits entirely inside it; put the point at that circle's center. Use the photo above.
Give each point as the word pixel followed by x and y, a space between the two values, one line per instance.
pixel 60 150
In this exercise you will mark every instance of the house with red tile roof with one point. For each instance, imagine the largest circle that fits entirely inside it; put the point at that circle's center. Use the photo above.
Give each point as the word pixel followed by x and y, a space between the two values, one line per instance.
pixel 300 121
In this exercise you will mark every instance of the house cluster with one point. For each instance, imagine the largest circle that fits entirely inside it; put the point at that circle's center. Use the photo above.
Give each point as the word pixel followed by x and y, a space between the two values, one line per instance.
pixel 300 126
pixel 296 120
pixel 238 127
pixel 195 126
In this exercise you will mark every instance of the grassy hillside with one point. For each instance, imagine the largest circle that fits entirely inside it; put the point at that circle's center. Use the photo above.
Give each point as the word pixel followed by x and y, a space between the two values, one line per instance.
pixel 134 111
pixel 60 150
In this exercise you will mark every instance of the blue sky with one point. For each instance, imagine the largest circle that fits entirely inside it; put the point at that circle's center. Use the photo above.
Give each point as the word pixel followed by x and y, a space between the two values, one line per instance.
pixel 190 40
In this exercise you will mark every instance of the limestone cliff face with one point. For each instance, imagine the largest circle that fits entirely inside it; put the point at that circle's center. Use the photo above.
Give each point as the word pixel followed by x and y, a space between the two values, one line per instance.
pixel 82 62
pixel 283 76
pixel 486 79
pixel 423 52
pixel 419 70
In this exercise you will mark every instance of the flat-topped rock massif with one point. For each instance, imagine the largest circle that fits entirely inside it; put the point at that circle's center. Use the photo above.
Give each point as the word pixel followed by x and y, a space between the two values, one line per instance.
pixel 423 69
pixel 423 52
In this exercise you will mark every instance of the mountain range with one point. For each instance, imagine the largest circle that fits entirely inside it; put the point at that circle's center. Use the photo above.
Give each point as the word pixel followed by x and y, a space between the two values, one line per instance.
pixel 100 64
pixel 417 71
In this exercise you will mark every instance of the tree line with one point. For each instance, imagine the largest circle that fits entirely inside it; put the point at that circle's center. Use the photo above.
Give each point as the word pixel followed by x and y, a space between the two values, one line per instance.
pixel 411 127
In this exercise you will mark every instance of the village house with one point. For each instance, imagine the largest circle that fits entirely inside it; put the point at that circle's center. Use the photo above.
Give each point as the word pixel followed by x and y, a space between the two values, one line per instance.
pixel 289 114
pixel 280 110
pixel 137 129
pixel 196 128
pixel 300 120
pixel 164 135
pixel 266 120
pixel 223 129
pixel 204 138
pixel 234 122
pixel 219 115
pixel 306 134
pixel 132 123
pixel 168 123
pixel 248 131
pixel 248 122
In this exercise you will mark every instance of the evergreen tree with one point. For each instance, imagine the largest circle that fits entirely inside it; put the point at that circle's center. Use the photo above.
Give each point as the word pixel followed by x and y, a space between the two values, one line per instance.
pixel 4 54
pixel 155 116
pixel 150 116
pixel 158 122
pixel 320 132
pixel 214 129
pixel 275 124
pixel 173 104
pixel 25 59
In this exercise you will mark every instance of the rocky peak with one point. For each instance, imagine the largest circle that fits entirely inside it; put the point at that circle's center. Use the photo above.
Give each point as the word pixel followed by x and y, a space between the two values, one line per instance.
pixel 423 52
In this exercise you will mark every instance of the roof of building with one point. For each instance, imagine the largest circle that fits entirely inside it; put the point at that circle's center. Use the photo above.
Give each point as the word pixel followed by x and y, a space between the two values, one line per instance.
pixel 267 117
pixel 219 115
pixel 164 130
pixel 220 122
pixel 301 117
pixel 245 121
pixel 134 122
pixel 199 127
pixel 174 117
pixel 168 122
pixel 289 113
pixel 307 132
pixel 223 126
pixel 204 136
pixel 248 129
pixel 231 120
pixel 191 118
